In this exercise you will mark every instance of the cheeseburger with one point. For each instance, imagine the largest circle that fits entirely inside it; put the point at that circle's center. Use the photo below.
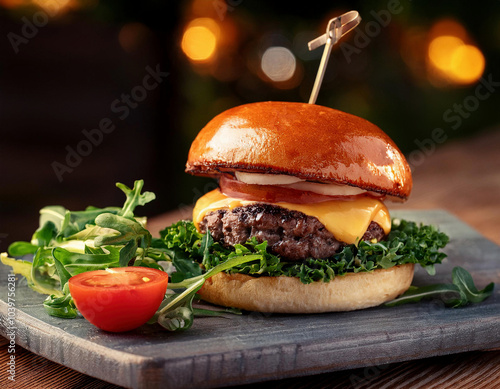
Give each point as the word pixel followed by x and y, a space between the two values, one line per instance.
pixel 309 180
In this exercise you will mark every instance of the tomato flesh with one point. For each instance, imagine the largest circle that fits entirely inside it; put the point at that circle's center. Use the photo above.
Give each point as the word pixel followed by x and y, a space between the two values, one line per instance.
pixel 119 299
pixel 273 193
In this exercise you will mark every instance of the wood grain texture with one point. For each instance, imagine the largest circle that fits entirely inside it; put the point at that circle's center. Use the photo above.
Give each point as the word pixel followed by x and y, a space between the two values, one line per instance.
pixel 34 371
pixel 462 371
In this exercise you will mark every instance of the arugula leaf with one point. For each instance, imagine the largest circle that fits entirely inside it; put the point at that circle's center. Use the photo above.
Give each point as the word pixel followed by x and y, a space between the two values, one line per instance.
pixel 44 235
pixel 18 249
pixel 206 242
pixel 417 293
pixel 178 313
pixel 181 316
pixel 63 274
pixel 130 233
pixel 184 265
pixel 458 294
pixel 216 311
pixel 42 277
pixel 63 306
pixel 76 221
pixel 54 214
pixel 468 291
pixel 76 263
pixel 56 222
pixel 93 250
pixel 58 244
pixel 66 223
pixel 134 198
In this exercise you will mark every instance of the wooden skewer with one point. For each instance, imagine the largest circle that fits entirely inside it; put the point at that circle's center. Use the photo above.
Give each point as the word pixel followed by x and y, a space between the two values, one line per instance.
pixel 336 29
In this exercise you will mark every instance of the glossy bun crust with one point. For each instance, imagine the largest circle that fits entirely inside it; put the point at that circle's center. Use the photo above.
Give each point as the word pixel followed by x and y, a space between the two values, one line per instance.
pixel 289 295
pixel 308 141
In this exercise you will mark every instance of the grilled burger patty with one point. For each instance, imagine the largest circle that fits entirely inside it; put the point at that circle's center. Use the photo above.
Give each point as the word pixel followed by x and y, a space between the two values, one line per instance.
pixel 292 235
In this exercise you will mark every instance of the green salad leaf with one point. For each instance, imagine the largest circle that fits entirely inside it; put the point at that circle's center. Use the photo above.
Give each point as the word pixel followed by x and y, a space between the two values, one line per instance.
pixel 468 291
pixel 134 198
pixel 460 293
pixel 71 242
pixel 131 234
pixel 178 313
pixel 63 306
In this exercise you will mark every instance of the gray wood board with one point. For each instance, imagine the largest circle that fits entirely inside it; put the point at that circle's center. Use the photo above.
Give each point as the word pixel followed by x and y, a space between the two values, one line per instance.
pixel 257 347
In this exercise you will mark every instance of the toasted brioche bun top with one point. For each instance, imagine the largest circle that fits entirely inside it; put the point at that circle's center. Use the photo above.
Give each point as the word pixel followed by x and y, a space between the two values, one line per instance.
pixel 307 141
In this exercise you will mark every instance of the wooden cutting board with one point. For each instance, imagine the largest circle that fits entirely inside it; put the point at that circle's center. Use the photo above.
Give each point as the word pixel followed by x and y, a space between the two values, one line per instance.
pixel 257 347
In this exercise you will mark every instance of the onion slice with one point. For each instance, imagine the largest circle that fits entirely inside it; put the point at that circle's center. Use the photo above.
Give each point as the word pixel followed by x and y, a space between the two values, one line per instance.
pixel 292 182
pixel 266 179
pixel 327 189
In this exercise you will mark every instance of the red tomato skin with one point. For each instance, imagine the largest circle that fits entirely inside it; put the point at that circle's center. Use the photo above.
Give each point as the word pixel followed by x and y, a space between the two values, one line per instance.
pixel 121 308
pixel 276 194
pixel 267 193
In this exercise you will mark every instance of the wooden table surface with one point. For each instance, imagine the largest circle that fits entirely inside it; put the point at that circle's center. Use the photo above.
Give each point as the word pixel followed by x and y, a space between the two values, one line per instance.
pixel 462 177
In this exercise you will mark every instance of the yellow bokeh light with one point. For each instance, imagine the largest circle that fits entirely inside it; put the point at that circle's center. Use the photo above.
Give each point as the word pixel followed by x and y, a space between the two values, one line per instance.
pixel 199 40
pixel 467 64
pixel 441 51
pixel 452 59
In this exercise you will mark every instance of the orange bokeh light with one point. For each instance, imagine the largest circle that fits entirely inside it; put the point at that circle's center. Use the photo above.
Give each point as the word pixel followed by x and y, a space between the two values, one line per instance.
pixel 441 51
pixel 451 57
pixel 467 64
pixel 200 39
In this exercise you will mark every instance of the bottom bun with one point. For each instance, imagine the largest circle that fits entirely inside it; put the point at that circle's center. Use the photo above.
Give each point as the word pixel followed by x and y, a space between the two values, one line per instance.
pixel 289 295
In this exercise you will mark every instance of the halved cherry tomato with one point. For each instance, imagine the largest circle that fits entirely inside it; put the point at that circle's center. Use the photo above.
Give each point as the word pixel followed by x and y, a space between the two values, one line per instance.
pixel 273 193
pixel 119 299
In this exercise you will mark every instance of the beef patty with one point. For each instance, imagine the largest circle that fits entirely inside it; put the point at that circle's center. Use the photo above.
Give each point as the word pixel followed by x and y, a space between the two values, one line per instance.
pixel 292 235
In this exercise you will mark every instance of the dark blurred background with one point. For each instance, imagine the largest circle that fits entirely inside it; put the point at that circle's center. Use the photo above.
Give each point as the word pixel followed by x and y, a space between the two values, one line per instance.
pixel 98 91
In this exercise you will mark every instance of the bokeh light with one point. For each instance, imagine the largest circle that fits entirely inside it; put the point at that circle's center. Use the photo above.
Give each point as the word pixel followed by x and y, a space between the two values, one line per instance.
pixel 451 56
pixel 278 64
pixel 200 38
pixel 467 64
pixel 441 51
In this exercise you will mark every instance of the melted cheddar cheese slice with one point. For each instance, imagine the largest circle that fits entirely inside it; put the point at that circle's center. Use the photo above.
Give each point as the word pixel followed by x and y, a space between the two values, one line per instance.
pixel 346 220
